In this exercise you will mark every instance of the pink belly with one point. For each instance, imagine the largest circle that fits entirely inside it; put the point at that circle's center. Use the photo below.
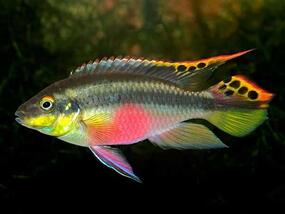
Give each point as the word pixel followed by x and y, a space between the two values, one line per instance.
pixel 130 124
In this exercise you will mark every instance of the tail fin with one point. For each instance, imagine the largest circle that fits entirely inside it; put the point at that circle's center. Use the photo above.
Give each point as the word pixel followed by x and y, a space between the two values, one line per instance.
pixel 243 105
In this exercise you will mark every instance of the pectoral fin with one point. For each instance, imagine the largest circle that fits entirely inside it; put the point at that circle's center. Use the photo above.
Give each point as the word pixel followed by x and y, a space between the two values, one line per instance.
pixel 114 159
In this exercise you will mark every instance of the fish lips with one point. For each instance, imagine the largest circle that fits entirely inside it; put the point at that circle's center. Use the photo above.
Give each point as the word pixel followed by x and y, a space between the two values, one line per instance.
pixel 20 115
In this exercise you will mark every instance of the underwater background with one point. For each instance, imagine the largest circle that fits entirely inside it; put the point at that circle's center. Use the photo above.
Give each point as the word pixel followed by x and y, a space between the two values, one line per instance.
pixel 42 41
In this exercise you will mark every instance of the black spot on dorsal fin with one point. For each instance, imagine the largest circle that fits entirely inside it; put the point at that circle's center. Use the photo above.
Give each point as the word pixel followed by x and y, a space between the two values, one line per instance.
pixel 188 74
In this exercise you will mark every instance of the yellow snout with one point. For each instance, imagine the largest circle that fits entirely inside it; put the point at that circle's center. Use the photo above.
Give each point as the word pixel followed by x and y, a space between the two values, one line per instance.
pixel 39 121
pixel 52 125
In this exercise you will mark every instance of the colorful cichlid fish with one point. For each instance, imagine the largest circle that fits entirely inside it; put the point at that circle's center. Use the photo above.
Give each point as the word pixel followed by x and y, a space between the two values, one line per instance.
pixel 121 101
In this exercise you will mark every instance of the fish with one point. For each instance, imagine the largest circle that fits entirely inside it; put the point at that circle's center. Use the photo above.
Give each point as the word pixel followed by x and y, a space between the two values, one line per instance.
pixel 124 100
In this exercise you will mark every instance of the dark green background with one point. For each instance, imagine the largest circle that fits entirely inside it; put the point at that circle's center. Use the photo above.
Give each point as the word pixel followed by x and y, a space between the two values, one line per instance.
pixel 41 41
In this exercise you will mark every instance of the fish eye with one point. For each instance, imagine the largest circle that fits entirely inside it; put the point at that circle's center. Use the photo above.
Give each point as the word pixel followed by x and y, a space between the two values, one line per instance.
pixel 47 103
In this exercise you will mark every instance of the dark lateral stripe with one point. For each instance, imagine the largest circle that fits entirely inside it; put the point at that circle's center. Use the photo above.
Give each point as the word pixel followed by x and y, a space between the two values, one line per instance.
pixel 134 94
pixel 93 91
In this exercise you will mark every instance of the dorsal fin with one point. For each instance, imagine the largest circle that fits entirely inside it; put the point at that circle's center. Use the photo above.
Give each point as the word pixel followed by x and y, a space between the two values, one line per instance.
pixel 187 74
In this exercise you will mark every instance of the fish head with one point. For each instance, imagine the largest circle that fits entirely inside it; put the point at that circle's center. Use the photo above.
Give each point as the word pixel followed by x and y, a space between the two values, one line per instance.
pixel 49 112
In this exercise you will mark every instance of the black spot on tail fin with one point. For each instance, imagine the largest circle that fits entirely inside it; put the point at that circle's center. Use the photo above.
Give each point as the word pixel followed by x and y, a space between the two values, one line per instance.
pixel 242 110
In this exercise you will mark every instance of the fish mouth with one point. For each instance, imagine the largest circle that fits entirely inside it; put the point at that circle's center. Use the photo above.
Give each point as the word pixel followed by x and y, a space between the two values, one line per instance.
pixel 19 116
pixel 19 120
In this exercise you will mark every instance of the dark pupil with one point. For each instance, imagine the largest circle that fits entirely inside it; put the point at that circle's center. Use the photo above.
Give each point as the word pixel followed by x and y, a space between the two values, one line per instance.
pixel 46 104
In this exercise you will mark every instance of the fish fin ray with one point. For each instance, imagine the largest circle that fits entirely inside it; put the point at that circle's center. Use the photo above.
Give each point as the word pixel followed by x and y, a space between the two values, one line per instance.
pixel 114 159
pixel 244 105
pixel 238 122
pixel 187 136
pixel 98 119
pixel 99 128
pixel 188 74
pixel 239 91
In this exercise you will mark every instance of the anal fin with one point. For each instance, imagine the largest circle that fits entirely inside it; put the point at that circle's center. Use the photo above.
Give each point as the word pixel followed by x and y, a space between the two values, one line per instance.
pixel 114 159
pixel 188 136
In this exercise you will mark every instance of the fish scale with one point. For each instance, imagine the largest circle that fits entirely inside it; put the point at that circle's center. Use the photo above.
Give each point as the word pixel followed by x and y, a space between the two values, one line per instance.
pixel 121 101
pixel 137 91
pixel 155 97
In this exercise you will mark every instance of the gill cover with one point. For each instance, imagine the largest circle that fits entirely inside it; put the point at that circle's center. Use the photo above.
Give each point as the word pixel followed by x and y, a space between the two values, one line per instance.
pixel 66 119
